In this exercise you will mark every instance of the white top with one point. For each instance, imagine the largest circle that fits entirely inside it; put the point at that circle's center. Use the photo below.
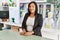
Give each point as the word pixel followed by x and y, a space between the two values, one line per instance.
pixel 30 23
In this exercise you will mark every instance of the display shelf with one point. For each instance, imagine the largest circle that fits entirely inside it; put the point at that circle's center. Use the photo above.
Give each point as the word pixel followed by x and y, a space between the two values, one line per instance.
pixel 5 24
pixel 11 23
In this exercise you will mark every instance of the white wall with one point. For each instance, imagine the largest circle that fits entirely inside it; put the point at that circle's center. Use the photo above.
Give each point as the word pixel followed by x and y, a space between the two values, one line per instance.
pixel 14 13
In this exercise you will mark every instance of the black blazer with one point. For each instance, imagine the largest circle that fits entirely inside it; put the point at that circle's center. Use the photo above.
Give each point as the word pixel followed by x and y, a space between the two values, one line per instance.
pixel 37 24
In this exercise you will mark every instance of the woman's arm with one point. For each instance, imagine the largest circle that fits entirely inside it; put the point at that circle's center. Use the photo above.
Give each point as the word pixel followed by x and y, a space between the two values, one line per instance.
pixel 37 29
pixel 29 33
pixel 24 24
pixel 26 33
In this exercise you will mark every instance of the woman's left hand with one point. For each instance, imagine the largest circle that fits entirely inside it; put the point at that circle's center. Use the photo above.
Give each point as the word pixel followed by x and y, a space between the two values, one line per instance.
pixel 28 33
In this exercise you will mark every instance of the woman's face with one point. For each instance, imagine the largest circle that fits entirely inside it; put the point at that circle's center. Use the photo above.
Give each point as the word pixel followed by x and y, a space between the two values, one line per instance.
pixel 32 8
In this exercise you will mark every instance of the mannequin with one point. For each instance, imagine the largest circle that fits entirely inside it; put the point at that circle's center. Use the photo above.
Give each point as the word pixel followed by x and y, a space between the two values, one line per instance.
pixel 49 22
pixel 58 22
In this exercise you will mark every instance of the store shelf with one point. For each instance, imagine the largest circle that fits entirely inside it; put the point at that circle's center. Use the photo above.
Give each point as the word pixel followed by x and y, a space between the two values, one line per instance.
pixel 10 23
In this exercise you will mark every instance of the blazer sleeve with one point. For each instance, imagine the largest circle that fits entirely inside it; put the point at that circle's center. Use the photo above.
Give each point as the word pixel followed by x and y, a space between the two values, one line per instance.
pixel 37 30
pixel 24 22
pixel 40 21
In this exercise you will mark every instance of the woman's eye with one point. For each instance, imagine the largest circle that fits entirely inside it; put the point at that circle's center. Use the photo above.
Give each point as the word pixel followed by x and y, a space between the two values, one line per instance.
pixel 32 6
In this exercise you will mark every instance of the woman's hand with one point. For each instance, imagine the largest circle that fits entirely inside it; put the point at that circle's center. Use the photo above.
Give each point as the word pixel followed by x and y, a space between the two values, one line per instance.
pixel 28 33
pixel 23 32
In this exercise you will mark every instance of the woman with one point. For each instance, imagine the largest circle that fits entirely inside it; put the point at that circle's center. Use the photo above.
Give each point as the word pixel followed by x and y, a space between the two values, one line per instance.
pixel 32 22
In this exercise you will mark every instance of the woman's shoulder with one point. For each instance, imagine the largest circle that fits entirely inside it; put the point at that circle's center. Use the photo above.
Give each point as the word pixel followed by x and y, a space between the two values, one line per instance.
pixel 40 15
pixel 26 14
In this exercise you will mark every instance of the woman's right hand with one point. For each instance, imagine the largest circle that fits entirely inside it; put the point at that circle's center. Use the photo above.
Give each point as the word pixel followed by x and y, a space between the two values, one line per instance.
pixel 23 32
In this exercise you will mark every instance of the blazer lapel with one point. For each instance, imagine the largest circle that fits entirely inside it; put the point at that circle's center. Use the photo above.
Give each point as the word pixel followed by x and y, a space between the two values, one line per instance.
pixel 35 22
